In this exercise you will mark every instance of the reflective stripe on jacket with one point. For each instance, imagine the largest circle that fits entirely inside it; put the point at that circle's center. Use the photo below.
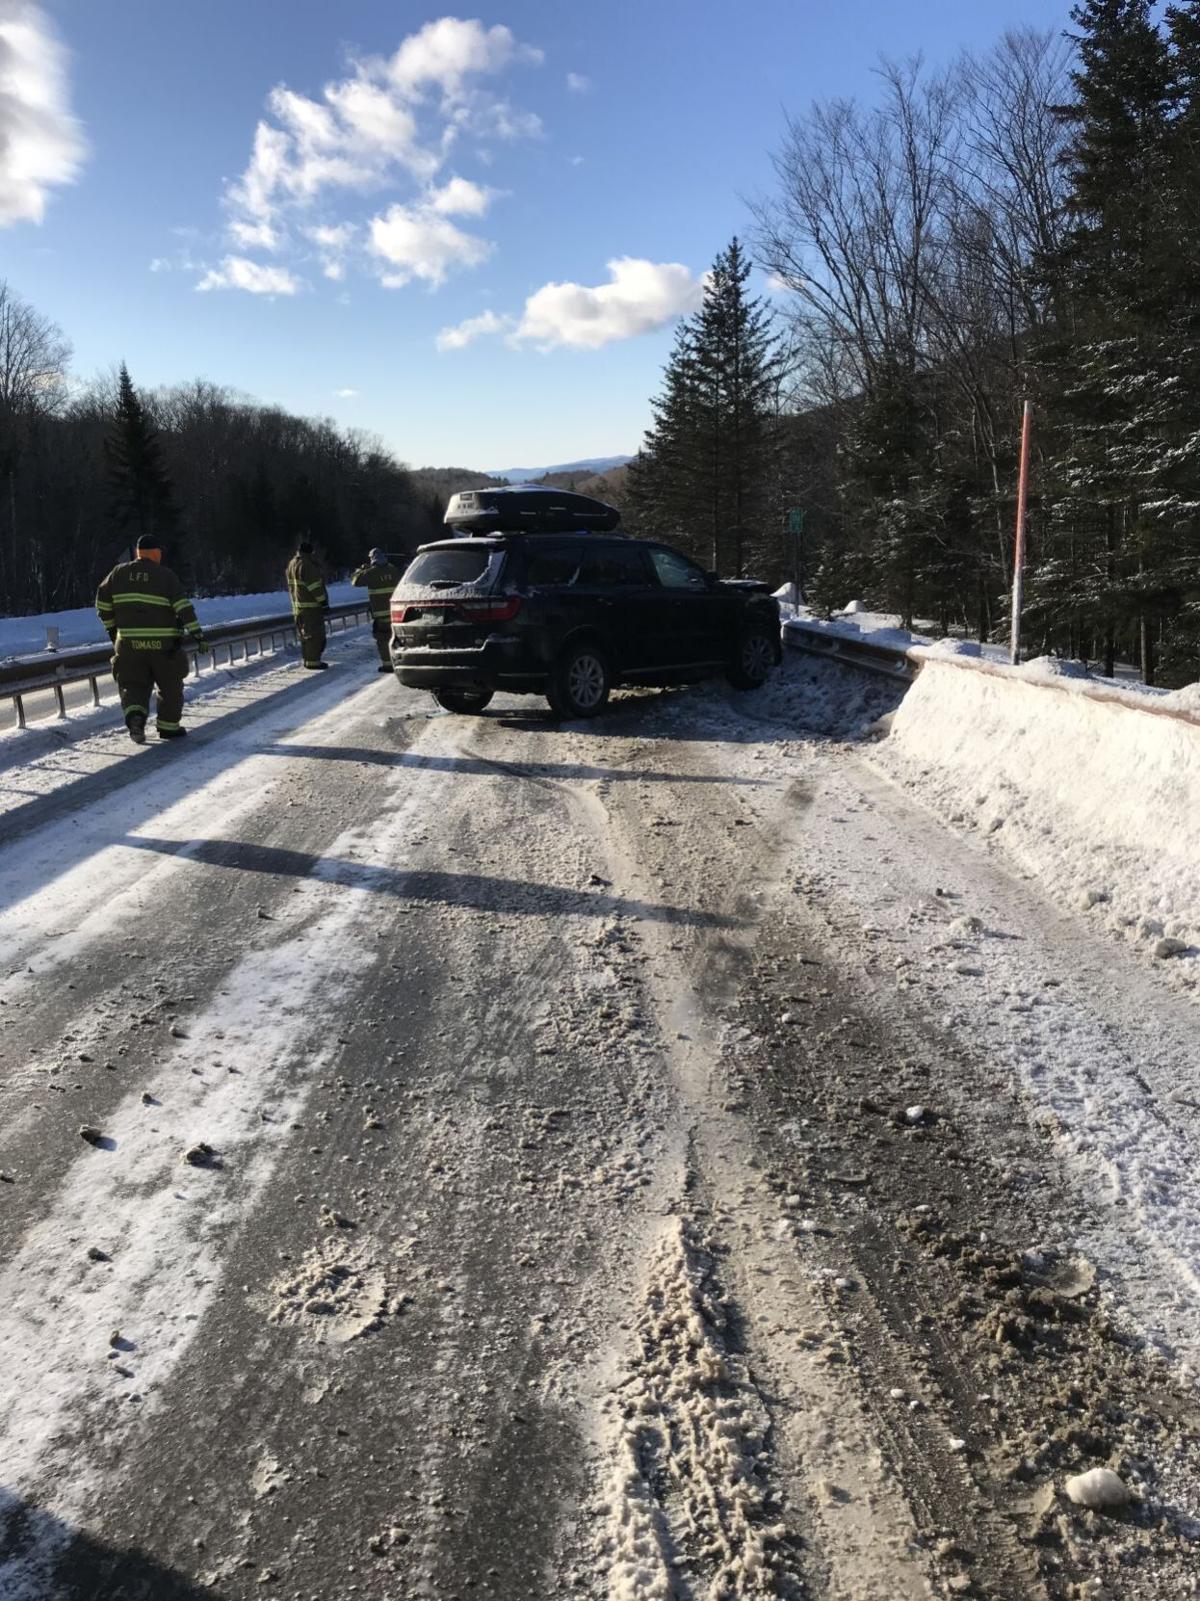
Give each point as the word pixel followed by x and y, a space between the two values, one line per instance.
pixel 144 601
pixel 306 587
pixel 378 579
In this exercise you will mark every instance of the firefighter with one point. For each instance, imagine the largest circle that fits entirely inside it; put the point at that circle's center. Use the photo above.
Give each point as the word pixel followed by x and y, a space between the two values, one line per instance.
pixel 148 618
pixel 379 578
pixel 310 601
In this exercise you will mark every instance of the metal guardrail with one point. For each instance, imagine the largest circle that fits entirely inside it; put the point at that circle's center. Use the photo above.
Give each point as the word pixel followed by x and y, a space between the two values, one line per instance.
pixel 55 670
pixel 889 661
pixel 904 663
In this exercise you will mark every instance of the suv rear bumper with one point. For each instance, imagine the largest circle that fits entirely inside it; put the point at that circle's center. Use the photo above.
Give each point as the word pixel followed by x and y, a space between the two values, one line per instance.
pixel 499 663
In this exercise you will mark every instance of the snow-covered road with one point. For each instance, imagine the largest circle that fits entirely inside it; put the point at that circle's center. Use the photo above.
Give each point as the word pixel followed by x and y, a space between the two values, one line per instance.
pixel 645 1159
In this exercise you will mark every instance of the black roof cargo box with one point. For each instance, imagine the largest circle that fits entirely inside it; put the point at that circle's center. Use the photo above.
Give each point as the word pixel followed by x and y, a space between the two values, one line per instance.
pixel 531 509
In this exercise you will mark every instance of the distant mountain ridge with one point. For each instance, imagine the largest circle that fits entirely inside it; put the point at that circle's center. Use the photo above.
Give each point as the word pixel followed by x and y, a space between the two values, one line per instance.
pixel 436 484
pixel 590 464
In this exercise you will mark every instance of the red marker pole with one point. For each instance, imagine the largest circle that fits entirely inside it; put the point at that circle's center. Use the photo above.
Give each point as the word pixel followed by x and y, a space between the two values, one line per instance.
pixel 1018 585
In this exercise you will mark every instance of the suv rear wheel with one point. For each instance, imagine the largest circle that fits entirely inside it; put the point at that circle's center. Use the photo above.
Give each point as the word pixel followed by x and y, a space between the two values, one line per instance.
pixel 579 682
pixel 468 702
pixel 755 660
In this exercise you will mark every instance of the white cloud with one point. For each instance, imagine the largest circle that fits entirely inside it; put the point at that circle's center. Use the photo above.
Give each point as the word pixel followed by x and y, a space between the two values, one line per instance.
pixel 41 142
pixel 332 241
pixel 332 236
pixel 237 272
pixel 345 394
pixel 418 243
pixel 577 83
pixel 444 54
pixel 255 235
pixel 389 118
pixel 465 333
pixel 639 297
pixel 460 198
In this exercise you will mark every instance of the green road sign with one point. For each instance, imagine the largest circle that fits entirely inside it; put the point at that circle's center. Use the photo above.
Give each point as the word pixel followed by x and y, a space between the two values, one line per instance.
pixel 796 520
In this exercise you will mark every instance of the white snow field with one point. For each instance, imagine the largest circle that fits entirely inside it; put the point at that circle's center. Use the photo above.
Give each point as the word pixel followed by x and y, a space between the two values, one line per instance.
pixel 26 636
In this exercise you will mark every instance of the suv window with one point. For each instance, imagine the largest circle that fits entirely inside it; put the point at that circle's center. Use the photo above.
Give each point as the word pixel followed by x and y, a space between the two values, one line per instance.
pixel 465 564
pixel 551 565
pixel 677 572
pixel 612 568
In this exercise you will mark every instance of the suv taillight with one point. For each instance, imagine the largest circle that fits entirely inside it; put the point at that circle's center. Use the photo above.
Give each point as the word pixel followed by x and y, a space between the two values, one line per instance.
pixel 473 611
pixel 491 611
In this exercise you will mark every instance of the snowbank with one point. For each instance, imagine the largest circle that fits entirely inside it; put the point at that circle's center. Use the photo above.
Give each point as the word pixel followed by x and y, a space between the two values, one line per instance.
pixel 24 636
pixel 1093 787
pixel 880 628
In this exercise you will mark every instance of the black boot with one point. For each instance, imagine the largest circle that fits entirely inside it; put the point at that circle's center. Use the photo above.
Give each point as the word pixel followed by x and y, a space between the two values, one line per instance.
pixel 316 667
pixel 135 725
pixel 172 733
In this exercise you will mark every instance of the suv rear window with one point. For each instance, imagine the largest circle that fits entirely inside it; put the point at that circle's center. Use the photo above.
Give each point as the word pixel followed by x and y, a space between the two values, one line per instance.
pixel 465 564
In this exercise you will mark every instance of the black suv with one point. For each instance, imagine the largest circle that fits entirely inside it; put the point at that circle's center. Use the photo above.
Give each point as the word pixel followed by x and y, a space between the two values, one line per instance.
pixel 570 615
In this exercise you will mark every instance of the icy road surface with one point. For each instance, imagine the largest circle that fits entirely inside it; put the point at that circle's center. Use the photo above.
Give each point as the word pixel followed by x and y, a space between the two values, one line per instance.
pixel 639 1159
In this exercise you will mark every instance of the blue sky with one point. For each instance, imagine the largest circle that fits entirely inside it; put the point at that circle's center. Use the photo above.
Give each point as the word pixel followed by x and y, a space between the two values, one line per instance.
pixel 418 185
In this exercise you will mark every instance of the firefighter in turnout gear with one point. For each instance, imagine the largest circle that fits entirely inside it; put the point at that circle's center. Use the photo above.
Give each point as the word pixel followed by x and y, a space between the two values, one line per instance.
pixel 379 578
pixel 148 618
pixel 310 601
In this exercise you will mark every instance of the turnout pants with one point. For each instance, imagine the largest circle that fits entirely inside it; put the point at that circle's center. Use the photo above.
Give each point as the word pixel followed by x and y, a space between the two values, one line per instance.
pixel 138 671
pixel 381 627
pixel 310 625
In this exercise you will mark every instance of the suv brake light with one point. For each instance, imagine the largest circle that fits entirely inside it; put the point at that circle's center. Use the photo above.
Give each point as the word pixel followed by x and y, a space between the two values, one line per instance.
pixel 491 611
pixel 476 611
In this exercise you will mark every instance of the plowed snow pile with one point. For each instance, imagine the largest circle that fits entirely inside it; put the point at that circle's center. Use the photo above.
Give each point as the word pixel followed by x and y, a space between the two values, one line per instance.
pixel 1094 791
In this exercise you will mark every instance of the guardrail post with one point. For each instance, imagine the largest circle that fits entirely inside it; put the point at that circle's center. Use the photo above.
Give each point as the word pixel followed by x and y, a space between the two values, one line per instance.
pixel 95 683
pixel 61 699
pixel 19 703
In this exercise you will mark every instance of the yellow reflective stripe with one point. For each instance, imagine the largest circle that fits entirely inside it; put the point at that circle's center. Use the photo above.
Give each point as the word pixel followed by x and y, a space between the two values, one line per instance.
pixel 307 605
pixel 103 606
pixel 147 633
pixel 141 711
pixel 181 605
pixel 143 600
pixel 162 724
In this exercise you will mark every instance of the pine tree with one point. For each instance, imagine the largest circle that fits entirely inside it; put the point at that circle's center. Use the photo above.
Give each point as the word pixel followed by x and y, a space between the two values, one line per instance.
pixel 1106 372
pixel 665 498
pixel 703 477
pixel 141 502
pixel 737 361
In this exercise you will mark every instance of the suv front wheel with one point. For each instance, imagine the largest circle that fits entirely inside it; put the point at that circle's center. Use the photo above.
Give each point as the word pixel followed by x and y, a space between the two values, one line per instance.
pixel 467 702
pixel 754 661
pixel 579 682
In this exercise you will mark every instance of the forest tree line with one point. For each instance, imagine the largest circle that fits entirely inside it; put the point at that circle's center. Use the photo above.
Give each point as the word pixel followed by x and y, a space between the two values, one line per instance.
pixel 1023 223
pixel 228 485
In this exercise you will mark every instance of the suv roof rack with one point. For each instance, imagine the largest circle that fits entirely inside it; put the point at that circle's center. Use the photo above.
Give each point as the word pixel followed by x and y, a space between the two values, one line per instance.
pixel 529 509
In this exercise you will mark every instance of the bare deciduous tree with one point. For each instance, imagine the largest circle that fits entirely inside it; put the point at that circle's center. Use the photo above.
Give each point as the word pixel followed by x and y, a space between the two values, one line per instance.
pixel 34 354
